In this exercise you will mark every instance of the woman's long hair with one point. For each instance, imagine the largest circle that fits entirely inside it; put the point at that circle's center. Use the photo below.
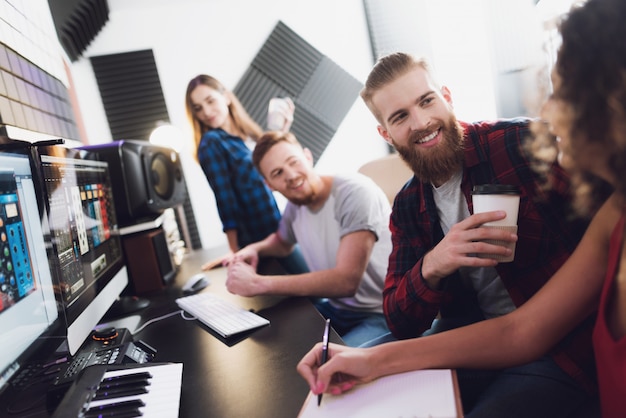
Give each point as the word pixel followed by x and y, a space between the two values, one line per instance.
pixel 242 123
pixel 591 66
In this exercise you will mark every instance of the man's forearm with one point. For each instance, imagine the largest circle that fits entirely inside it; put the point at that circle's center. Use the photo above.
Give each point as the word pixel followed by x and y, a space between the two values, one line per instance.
pixel 272 246
pixel 323 283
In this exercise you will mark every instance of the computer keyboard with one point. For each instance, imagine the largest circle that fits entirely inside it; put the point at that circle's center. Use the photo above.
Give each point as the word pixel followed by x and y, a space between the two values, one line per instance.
pixel 222 316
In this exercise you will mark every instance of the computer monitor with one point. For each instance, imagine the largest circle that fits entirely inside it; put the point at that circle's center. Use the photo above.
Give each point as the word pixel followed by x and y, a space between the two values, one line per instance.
pixel 29 316
pixel 88 257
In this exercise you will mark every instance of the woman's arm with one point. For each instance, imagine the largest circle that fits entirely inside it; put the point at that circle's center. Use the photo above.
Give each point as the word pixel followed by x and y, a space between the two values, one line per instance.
pixel 231 236
pixel 515 338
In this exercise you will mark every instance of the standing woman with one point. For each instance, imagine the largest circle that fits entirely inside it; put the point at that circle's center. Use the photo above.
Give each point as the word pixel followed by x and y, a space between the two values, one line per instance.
pixel 224 134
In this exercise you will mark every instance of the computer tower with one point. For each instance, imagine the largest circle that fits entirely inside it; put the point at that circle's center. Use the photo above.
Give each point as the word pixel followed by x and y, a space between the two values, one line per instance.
pixel 147 179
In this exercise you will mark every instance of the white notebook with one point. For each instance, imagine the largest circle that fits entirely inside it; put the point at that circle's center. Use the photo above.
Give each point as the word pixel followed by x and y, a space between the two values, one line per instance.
pixel 421 393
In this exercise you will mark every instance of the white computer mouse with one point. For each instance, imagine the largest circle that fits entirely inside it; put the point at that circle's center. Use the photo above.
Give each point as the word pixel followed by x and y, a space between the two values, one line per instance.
pixel 195 283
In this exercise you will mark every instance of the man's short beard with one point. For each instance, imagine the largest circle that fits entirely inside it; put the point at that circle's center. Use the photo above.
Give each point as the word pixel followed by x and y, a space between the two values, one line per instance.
pixel 306 200
pixel 303 201
pixel 437 164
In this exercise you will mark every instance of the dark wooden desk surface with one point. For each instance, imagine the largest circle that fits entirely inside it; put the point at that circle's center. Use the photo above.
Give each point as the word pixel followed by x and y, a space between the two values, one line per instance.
pixel 252 377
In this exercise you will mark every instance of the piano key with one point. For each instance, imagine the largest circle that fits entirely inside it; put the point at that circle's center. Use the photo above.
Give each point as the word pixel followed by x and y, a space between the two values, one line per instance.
pixel 163 397
pixel 124 383
pixel 114 377
pixel 120 414
pixel 120 393
pixel 116 408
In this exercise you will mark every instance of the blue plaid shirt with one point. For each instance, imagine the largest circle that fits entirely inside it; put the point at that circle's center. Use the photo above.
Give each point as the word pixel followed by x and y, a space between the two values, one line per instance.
pixel 244 201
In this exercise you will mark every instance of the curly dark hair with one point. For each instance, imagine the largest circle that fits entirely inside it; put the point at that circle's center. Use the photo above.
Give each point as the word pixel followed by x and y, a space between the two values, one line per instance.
pixel 591 65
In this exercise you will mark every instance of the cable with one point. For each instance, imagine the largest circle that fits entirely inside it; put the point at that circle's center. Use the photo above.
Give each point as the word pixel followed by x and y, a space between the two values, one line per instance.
pixel 153 320
pixel 187 318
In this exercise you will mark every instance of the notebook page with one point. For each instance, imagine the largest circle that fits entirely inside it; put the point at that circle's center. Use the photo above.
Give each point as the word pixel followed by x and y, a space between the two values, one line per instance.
pixel 421 393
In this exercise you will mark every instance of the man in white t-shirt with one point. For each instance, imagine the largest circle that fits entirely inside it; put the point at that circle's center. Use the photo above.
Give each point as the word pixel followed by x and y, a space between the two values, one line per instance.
pixel 341 224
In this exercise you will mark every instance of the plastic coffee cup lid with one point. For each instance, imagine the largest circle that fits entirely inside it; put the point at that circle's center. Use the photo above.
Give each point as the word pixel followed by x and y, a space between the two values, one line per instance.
pixel 495 189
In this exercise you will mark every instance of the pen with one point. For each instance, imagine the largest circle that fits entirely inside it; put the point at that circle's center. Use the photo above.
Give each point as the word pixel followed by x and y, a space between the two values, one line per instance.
pixel 324 352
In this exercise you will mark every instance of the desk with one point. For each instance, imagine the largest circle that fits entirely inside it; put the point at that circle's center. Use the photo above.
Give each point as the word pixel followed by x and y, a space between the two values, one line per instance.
pixel 255 377
pixel 251 377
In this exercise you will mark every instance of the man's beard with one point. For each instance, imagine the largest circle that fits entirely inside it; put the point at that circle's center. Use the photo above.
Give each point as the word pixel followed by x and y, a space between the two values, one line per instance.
pixel 437 164
pixel 305 200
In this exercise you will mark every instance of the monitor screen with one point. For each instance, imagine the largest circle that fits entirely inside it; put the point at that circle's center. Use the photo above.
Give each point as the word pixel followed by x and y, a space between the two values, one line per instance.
pixel 88 257
pixel 28 309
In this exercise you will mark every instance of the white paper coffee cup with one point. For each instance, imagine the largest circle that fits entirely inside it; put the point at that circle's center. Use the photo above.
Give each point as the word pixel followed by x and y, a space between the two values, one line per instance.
pixel 277 110
pixel 490 197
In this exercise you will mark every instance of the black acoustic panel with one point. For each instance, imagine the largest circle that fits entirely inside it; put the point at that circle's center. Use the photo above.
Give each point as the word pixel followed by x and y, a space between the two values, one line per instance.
pixel 131 93
pixel 254 91
pixel 287 59
pixel 190 221
pixel 330 92
pixel 77 22
pixel 312 132
pixel 287 65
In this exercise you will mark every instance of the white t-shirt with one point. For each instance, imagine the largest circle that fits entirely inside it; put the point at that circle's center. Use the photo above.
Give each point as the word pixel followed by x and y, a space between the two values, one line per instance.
pixel 355 203
pixel 493 298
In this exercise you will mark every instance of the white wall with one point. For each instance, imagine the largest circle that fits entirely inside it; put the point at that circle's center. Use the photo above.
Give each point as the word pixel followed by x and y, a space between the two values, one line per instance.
pixel 221 37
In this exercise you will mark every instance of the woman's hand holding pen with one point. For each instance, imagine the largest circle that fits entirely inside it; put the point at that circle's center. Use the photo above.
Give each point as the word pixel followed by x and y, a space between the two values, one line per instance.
pixel 345 368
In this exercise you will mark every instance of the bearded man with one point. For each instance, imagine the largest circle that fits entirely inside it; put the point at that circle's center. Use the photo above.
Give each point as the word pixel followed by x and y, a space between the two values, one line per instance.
pixel 341 225
pixel 440 265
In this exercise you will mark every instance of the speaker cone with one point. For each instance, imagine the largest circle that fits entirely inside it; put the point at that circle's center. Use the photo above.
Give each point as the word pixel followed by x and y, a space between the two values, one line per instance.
pixel 162 176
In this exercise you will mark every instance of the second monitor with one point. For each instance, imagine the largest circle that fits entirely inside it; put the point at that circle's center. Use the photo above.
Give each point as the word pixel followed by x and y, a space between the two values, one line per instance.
pixel 88 256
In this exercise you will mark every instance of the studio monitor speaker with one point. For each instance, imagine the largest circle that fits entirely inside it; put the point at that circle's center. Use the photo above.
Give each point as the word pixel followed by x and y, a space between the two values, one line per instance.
pixel 150 266
pixel 147 179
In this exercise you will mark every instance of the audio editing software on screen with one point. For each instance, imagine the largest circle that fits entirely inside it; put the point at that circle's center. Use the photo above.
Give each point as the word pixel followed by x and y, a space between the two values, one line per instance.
pixel 81 219
pixel 16 274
